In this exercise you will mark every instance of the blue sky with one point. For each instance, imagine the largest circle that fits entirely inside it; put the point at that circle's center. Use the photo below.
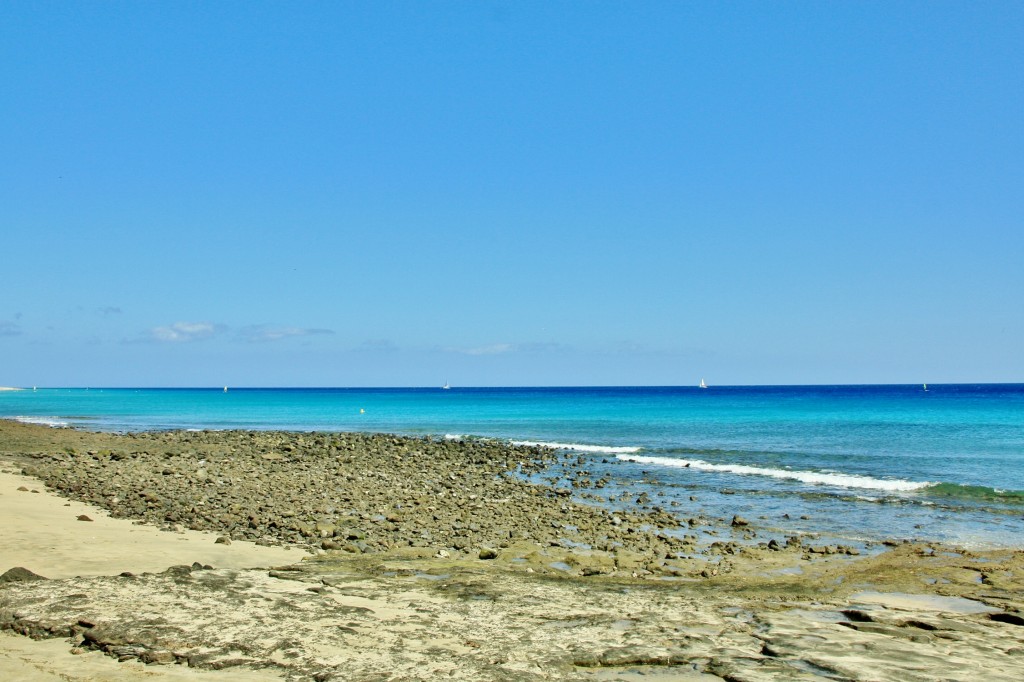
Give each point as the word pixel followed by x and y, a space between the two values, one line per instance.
pixel 511 193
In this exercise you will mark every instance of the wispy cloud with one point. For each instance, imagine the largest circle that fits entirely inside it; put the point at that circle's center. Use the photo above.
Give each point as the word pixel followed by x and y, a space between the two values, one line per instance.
pixel 493 349
pixel 378 346
pixel 181 332
pixel 541 347
pixel 109 310
pixel 9 329
pixel 184 332
pixel 259 333
pixel 639 349
pixel 506 348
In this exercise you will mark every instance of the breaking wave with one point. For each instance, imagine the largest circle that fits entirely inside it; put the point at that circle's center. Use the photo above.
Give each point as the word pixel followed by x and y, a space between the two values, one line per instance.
pixel 579 447
pixel 45 421
pixel 809 477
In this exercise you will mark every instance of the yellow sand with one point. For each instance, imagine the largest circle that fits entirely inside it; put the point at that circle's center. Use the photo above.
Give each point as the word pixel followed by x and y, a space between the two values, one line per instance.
pixel 41 532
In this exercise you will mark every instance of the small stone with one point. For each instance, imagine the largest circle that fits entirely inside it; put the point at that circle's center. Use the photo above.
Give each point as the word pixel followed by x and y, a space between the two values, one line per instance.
pixel 488 553
pixel 738 521
pixel 157 657
pixel 22 489
pixel 83 517
pixel 222 540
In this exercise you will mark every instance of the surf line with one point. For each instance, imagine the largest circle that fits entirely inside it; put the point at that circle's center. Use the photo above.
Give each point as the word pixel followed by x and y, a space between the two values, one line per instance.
pixel 578 447
pixel 810 477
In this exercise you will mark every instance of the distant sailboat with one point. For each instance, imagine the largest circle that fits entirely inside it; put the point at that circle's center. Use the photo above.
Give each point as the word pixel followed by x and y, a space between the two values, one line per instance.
pixel 925 387
pixel 445 387
pixel 225 389
pixel 702 384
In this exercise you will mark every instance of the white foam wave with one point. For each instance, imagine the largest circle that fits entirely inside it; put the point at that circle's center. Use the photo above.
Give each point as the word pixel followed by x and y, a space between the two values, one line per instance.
pixel 453 436
pixel 578 447
pixel 810 477
pixel 45 421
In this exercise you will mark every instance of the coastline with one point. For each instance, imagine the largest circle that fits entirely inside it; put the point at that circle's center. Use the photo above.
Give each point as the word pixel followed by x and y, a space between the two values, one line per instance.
pixel 433 558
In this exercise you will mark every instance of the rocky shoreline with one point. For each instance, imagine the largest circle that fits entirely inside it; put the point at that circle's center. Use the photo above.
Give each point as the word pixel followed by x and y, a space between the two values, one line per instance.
pixel 359 493
pixel 433 557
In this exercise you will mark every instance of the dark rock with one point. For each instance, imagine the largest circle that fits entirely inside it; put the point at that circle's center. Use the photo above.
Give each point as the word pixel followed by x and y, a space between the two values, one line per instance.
pixel 858 615
pixel 19 574
pixel 1011 618
pixel 157 657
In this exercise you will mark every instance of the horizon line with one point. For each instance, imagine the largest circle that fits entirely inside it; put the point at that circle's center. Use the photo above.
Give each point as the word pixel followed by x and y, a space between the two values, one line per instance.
pixel 495 387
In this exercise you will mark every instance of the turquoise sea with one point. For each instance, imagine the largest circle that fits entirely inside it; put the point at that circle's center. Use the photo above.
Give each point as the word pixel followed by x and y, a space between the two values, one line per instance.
pixel 860 462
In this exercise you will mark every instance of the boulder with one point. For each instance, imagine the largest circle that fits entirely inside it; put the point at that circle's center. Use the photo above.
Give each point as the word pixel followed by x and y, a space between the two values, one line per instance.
pixel 19 574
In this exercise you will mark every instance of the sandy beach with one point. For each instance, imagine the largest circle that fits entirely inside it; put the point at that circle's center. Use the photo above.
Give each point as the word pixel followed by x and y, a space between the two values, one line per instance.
pixel 42 532
pixel 374 564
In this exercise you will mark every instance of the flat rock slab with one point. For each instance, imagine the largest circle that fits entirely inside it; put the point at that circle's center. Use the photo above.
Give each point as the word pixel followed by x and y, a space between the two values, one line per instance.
pixel 349 621
pixel 923 602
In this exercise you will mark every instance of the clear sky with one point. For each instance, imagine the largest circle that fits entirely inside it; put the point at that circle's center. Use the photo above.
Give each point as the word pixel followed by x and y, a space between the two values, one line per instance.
pixel 510 193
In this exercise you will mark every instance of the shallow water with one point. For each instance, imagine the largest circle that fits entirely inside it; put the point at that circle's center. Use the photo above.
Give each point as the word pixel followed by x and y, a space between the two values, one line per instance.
pixel 859 462
pixel 923 602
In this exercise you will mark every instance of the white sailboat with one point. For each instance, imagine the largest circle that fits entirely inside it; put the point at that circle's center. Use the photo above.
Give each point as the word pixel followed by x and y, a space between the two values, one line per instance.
pixel 446 386
pixel 702 384
pixel 925 387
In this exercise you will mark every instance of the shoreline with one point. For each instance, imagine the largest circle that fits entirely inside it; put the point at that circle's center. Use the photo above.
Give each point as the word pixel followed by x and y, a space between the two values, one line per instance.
pixel 494 564
pixel 929 488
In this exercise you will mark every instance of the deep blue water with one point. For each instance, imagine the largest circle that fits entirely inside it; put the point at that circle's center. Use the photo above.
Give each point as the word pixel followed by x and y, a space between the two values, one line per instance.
pixel 863 462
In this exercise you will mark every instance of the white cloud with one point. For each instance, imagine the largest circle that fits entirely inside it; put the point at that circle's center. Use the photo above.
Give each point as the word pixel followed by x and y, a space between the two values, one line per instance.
pixel 506 348
pixel 261 332
pixel 184 331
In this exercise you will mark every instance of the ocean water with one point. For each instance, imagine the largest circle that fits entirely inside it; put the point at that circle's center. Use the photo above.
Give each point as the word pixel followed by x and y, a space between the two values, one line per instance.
pixel 861 463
